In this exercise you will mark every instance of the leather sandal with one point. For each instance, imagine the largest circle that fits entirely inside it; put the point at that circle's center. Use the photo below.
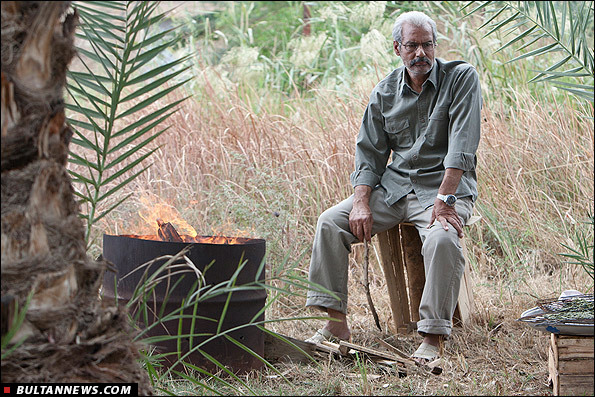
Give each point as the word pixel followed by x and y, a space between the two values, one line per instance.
pixel 426 352
pixel 322 335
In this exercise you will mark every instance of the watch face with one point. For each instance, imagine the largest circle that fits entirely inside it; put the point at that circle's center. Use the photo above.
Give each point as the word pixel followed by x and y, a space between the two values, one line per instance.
pixel 451 199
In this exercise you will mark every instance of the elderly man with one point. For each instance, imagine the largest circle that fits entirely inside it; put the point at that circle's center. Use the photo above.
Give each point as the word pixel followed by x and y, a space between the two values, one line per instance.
pixel 427 114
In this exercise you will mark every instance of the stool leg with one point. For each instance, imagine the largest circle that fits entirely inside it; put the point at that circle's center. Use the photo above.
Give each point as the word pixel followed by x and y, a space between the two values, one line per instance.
pixel 392 267
pixel 465 304
pixel 414 265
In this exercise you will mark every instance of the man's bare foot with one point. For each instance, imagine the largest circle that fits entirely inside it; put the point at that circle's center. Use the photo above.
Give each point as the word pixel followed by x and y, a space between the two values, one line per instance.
pixel 340 329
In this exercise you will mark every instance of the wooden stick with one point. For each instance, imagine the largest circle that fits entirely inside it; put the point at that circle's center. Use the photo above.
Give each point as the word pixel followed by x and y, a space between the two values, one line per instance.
pixel 432 367
pixel 334 346
pixel 394 349
pixel 325 347
pixel 367 285
pixel 345 346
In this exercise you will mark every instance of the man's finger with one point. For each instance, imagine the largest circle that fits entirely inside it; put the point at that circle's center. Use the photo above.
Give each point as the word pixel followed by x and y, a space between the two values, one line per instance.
pixel 432 220
pixel 367 231
pixel 458 226
pixel 444 223
pixel 360 232
pixel 460 230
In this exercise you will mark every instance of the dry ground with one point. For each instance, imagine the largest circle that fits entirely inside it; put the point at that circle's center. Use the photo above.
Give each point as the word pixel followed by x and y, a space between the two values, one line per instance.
pixel 493 354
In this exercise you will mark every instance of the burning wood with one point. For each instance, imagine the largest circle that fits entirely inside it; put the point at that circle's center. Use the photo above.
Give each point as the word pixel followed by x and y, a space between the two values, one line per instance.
pixel 167 232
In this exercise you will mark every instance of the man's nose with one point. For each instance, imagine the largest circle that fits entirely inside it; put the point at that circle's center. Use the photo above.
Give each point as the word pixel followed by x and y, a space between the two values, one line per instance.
pixel 419 51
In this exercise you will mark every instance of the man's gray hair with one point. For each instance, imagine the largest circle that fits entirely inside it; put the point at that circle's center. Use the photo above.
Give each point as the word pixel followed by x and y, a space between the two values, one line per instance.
pixel 414 18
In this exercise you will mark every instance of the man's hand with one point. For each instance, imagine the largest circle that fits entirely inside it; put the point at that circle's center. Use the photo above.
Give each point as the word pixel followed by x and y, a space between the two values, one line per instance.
pixel 360 217
pixel 360 221
pixel 443 212
pixel 446 214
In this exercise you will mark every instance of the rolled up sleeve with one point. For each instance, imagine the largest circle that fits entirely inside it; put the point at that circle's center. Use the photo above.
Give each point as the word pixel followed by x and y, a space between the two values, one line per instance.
pixel 372 149
pixel 363 177
pixel 465 120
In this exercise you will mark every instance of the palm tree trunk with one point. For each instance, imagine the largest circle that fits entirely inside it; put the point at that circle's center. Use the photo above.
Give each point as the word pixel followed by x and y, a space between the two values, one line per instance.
pixel 71 335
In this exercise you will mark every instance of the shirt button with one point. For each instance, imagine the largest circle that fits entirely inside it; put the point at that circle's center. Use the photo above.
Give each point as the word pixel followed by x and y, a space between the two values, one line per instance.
pixel 415 157
pixel 414 180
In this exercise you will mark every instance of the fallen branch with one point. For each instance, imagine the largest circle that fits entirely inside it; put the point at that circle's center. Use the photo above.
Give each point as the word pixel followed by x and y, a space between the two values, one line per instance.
pixel 433 367
pixel 277 349
pixel 345 346
pixel 394 349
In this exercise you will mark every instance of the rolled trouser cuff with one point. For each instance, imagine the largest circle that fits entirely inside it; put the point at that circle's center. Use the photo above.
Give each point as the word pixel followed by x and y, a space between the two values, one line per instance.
pixel 324 301
pixel 434 326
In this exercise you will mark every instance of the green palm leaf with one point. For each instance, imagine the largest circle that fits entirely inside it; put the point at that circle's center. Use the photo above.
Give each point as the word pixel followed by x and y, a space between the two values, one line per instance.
pixel 119 42
pixel 564 27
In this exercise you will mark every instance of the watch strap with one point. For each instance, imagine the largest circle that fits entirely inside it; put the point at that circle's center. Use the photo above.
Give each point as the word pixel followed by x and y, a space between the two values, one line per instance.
pixel 445 198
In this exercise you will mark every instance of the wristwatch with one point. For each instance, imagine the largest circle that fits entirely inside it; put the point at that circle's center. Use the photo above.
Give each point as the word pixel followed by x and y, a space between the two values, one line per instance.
pixel 449 199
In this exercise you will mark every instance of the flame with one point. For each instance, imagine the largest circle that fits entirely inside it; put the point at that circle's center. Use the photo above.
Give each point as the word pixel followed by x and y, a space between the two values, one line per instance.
pixel 155 209
pixel 196 239
pixel 219 240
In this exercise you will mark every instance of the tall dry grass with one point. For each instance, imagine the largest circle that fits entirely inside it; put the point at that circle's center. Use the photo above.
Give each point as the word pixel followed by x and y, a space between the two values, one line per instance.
pixel 267 172
pixel 269 169
pixel 536 189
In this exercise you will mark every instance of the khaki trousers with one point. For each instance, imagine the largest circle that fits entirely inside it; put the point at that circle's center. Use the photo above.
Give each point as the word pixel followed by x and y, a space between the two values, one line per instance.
pixel 443 256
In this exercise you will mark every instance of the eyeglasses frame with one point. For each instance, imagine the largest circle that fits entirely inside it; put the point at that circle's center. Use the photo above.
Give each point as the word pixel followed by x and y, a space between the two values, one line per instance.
pixel 430 46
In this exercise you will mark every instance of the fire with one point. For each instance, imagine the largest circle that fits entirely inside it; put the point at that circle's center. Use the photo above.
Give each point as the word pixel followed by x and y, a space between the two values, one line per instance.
pixel 170 226
pixel 153 211
pixel 219 240
pixel 184 238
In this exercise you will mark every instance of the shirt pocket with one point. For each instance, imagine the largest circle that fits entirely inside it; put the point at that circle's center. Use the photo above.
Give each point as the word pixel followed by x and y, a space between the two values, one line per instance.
pixel 439 120
pixel 399 133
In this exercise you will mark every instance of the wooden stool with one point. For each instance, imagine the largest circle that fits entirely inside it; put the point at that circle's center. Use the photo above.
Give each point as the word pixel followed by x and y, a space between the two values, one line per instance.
pixel 403 267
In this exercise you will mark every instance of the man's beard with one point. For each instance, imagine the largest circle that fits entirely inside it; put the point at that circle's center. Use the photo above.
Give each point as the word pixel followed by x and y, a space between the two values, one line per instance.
pixel 418 60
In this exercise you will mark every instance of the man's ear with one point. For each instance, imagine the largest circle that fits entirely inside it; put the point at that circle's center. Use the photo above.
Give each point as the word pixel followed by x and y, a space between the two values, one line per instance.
pixel 396 48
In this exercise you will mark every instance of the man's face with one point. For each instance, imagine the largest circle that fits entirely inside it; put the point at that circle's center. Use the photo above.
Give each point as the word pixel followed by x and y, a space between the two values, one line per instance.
pixel 417 57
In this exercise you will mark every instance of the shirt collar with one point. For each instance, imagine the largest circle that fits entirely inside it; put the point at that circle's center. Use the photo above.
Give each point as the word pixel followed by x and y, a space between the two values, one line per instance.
pixel 433 78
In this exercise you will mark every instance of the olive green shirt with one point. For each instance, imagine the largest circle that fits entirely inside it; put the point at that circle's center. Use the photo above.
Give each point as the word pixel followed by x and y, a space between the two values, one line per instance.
pixel 428 132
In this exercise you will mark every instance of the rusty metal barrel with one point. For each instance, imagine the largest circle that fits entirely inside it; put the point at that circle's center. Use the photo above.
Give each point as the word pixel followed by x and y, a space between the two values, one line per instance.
pixel 218 315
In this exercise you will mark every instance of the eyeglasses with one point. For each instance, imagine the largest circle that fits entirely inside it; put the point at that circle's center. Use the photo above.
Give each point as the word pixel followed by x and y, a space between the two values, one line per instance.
pixel 412 47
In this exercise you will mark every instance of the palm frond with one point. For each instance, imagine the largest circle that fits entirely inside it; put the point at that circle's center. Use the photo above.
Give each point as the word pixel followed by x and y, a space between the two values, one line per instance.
pixel 543 27
pixel 119 79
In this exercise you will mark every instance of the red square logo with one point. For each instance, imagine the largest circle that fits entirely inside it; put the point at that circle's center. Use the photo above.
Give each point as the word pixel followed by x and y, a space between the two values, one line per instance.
pixel 6 389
